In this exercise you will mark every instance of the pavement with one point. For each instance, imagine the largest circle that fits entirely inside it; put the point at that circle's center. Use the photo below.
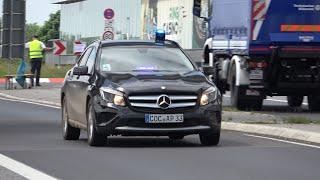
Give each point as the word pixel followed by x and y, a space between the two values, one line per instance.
pixel 30 134
pixel 270 121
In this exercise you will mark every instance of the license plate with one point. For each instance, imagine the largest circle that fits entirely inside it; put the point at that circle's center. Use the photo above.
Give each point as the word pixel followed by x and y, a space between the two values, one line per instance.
pixel 256 74
pixel 164 118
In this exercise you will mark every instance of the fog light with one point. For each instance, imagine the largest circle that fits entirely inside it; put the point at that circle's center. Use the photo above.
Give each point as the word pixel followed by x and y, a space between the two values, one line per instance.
pixel 119 100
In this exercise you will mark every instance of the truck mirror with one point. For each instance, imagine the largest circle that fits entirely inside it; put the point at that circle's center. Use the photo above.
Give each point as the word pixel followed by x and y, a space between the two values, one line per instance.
pixel 197 8
pixel 201 9
pixel 208 70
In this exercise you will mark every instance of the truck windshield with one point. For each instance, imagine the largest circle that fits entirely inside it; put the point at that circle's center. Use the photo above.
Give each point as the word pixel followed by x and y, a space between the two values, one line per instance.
pixel 144 58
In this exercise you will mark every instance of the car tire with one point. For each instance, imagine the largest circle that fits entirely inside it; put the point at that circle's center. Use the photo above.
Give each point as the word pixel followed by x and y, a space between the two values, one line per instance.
pixel 176 137
pixel 295 101
pixel 69 132
pixel 212 137
pixel 314 103
pixel 94 138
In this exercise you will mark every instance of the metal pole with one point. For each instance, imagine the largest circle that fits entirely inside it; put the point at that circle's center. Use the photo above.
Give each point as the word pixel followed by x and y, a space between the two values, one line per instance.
pixel 11 36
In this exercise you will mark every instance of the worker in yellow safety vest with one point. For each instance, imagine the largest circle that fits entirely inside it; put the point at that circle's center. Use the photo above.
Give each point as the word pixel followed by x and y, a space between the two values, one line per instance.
pixel 36 50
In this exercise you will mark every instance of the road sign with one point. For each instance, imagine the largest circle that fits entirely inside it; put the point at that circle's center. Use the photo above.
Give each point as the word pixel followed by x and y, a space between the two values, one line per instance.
pixel 108 35
pixel 109 23
pixel 109 13
pixel 79 47
pixel 60 48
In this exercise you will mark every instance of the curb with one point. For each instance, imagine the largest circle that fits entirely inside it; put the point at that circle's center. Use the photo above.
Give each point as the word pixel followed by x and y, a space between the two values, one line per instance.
pixel 273 131
pixel 247 128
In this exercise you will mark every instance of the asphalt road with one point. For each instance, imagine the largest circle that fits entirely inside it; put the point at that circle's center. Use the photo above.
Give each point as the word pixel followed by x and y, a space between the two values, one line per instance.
pixel 31 134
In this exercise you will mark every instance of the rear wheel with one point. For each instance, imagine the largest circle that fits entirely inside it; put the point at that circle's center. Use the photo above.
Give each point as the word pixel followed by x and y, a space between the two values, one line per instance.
pixel 295 101
pixel 314 103
pixel 69 132
pixel 94 138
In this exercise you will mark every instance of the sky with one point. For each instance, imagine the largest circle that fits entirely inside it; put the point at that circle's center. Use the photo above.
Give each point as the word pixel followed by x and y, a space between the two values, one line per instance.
pixel 38 10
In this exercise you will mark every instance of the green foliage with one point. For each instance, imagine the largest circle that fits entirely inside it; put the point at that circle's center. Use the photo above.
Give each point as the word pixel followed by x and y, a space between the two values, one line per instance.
pixel 31 30
pixel 50 29
pixel 298 120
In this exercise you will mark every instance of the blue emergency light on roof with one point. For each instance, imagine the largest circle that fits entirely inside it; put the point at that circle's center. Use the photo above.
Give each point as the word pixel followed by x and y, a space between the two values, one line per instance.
pixel 160 36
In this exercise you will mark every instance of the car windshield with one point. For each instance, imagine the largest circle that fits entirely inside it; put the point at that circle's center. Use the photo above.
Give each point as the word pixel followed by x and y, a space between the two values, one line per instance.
pixel 144 58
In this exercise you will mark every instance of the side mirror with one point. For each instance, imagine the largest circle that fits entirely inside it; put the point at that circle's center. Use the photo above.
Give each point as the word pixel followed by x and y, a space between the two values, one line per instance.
pixel 80 70
pixel 208 70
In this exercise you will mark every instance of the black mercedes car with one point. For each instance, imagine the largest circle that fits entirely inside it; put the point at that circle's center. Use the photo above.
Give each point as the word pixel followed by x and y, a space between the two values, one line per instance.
pixel 139 88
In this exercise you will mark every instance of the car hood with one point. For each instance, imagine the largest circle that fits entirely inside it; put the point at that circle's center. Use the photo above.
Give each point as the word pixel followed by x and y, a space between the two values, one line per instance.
pixel 156 82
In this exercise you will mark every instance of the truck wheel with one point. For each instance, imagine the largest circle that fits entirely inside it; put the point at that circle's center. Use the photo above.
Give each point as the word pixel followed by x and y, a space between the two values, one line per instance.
pixel 238 99
pixel 69 132
pixel 235 96
pixel 295 101
pixel 215 79
pixel 314 103
pixel 94 138
pixel 176 137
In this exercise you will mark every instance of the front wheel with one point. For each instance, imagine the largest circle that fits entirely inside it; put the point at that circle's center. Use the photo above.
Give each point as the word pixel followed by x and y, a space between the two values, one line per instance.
pixel 241 102
pixel 69 132
pixel 210 138
pixel 94 138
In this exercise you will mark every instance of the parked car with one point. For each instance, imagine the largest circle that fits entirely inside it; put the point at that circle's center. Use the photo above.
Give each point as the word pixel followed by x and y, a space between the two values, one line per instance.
pixel 139 88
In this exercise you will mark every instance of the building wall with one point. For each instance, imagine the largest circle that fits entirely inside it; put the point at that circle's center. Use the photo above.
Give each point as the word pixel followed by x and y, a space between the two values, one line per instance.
pixel 85 20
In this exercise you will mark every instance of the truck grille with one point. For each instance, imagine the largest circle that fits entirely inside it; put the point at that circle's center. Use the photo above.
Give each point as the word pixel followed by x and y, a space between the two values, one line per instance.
pixel 172 101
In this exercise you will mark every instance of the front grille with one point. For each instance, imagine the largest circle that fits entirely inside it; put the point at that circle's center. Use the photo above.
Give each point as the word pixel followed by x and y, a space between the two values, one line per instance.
pixel 151 101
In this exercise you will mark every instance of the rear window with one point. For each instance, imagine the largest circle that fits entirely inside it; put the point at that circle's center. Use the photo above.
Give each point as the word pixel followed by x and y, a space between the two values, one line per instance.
pixel 144 58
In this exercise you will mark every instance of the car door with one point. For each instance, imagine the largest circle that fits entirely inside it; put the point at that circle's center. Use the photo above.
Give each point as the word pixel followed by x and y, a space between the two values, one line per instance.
pixel 83 85
pixel 72 94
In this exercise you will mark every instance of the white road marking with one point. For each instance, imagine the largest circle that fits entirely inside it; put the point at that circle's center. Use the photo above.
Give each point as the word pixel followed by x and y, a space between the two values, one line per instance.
pixel 275 100
pixel 284 141
pixel 29 102
pixel 23 170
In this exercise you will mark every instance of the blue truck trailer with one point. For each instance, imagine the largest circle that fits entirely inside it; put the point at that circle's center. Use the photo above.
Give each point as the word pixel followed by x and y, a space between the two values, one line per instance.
pixel 260 48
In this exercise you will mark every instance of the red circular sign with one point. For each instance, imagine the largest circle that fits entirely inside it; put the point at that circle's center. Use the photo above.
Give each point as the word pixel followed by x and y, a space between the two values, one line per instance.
pixel 109 13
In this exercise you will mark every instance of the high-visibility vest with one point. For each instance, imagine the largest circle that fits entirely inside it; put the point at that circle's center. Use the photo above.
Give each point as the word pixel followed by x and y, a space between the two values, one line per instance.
pixel 35 49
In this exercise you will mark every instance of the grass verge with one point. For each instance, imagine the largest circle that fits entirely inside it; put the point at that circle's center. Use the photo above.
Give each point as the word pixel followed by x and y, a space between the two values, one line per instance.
pixel 46 71
pixel 299 120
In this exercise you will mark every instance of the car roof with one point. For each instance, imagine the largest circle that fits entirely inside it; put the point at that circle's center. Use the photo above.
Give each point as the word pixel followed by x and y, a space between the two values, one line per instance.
pixel 167 43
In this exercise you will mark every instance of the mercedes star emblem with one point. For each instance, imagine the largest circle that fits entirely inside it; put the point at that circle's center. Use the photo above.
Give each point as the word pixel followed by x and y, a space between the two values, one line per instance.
pixel 164 102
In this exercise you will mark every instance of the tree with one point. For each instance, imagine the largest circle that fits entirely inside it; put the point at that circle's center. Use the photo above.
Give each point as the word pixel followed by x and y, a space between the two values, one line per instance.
pixel 31 30
pixel 50 29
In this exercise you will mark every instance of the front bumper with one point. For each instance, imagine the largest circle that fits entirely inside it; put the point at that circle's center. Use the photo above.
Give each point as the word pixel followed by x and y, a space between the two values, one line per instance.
pixel 115 120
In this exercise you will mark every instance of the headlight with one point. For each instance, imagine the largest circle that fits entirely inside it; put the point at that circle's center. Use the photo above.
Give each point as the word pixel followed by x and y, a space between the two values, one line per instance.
pixel 208 96
pixel 112 96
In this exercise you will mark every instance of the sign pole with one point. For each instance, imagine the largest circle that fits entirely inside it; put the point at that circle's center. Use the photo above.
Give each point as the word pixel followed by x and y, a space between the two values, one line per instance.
pixel 11 36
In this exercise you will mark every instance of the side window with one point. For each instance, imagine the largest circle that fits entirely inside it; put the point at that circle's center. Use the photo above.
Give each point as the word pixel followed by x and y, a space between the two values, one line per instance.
pixel 91 60
pixel 84 57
